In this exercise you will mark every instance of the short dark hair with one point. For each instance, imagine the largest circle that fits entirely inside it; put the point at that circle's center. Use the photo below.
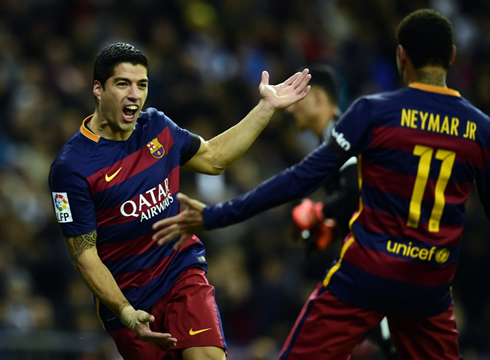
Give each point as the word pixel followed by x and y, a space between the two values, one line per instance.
pixel 427 37
pixel 113 55
pixel 325 77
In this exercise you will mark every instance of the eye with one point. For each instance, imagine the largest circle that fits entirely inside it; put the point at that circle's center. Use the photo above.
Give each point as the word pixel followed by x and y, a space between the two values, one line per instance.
pixel 121 84
pixel 143 86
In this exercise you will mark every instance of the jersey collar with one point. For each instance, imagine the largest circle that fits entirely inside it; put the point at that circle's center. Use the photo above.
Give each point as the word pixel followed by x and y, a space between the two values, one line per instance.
pixel 86 132
pixel 436 89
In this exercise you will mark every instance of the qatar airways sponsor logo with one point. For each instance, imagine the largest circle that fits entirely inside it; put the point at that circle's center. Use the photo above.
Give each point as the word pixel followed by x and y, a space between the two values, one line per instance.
pixel 341 140
pixel 150 203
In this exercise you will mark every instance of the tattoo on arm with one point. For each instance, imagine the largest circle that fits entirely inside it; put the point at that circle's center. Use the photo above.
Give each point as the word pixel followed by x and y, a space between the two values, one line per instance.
pixel 78 244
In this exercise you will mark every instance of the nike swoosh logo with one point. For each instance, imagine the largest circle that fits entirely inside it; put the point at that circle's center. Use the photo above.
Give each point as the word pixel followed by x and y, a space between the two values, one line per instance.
pixel 192 332
pixel 109 178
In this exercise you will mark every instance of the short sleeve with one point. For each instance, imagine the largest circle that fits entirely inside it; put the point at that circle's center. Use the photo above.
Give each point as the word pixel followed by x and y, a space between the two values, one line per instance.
pixel 73 204
pixel 191 150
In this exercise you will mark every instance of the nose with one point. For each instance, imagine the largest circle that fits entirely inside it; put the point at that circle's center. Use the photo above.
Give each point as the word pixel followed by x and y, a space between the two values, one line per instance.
pixel 134 92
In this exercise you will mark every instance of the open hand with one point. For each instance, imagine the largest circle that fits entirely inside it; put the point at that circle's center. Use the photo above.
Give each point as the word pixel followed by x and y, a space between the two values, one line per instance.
pixel 139 321
pixel 185 224
pixel 286 93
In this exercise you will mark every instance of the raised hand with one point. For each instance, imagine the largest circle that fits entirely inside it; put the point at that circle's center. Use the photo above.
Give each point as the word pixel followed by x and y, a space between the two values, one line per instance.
pixel 185 224
pixel 286 93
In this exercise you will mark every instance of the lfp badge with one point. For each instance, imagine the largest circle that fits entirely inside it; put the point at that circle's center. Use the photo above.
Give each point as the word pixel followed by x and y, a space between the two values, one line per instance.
pixel 156 149
pixel 62 207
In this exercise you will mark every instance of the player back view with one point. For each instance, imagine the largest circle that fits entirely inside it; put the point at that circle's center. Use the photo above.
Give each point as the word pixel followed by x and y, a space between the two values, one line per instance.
pixel 419 149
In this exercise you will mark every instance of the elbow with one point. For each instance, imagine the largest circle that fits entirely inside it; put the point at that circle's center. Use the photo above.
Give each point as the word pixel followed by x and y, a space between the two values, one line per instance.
pixel 216 166
pixel 216 170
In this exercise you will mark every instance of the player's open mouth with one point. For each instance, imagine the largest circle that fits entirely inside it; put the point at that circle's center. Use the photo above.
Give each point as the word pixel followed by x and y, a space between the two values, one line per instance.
pixel 129 112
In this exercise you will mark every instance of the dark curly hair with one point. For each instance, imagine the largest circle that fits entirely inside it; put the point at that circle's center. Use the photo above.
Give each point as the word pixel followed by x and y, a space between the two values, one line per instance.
pixel 427 37
pixel 114 54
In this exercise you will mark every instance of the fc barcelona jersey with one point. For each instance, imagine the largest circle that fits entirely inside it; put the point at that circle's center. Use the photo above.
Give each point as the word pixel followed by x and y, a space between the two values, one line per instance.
pixel 419 151
pixel 119 189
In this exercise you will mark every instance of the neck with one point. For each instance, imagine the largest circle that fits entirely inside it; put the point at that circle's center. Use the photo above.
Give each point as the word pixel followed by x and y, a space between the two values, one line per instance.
pixel 430 75
pixel 103 128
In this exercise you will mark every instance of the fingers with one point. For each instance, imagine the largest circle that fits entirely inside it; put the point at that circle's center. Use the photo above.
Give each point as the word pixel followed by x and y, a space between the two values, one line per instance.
pixel 184 200
pixel 182 240
pixel 143 319
pixel 301 81
pixel 185 223
pixel 165 223
pixel 167 234
pixel 291 79
pixel 145 334
pixel 190 203
pixel 265 78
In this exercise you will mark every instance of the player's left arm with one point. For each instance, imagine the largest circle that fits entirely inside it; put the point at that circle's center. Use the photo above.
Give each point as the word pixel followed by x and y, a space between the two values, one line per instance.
pixel 100 281
pixel 337 205
pixel 215 155
pixel 297 181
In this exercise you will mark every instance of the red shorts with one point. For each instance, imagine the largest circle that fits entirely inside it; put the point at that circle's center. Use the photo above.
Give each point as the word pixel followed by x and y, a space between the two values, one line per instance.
pixel 188 312
pixel 328 328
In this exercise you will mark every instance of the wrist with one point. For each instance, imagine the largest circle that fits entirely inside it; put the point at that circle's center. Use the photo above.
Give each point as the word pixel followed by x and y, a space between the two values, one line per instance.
pixel 125 312
pixel 266 107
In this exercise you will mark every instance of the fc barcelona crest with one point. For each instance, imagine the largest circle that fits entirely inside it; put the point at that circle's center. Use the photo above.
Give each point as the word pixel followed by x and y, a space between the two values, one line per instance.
pixel 156 149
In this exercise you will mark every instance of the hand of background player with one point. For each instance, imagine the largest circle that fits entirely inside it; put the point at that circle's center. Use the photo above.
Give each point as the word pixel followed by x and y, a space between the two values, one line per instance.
pixel 307 214
pixel 185 224
pixel 286 93
pixel 139 321
pixel 311 225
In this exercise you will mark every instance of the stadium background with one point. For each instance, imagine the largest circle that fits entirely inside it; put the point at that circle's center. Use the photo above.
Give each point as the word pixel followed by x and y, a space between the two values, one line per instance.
pixel 206 57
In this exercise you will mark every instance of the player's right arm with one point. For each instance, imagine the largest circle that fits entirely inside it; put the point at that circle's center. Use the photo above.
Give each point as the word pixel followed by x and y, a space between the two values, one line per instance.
pixel 218 153
pixel 348 139
pixel 96 275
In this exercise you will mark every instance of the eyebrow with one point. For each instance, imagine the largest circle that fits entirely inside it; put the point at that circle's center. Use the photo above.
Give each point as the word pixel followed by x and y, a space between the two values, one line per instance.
pixel 128 80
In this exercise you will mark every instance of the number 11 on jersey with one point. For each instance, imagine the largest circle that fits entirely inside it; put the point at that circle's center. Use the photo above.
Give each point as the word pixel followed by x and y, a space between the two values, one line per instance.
pixel 426 153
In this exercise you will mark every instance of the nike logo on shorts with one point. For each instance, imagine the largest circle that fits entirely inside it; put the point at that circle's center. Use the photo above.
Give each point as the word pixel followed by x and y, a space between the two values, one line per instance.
pixel 192 332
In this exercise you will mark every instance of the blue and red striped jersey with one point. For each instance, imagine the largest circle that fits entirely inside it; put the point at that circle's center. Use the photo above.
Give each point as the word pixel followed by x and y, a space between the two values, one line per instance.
pixel 119 189
pixel 419 151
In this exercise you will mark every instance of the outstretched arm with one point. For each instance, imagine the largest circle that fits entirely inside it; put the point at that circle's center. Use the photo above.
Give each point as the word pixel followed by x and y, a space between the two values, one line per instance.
pixel 295 182
pixel 100 281
pixel 215 155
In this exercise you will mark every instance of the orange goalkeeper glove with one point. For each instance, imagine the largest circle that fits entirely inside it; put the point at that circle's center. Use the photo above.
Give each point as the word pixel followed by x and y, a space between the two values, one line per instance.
pixel 312 226
pixel 323 234
pixel 307 214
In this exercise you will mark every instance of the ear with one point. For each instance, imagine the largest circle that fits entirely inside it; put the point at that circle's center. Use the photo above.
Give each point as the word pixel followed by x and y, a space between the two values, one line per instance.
pixel 453 55
pixel 97 89
pixel 401 56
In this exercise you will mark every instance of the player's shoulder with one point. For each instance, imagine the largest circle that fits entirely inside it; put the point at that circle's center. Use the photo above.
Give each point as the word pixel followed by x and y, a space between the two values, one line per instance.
pixel 152 119
pixel 476 111
pixel 76 149
pixel 151 115
pixel 383 97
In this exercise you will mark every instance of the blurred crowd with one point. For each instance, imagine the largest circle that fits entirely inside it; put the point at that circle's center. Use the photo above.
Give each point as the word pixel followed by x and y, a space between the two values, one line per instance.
pixel 206 59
